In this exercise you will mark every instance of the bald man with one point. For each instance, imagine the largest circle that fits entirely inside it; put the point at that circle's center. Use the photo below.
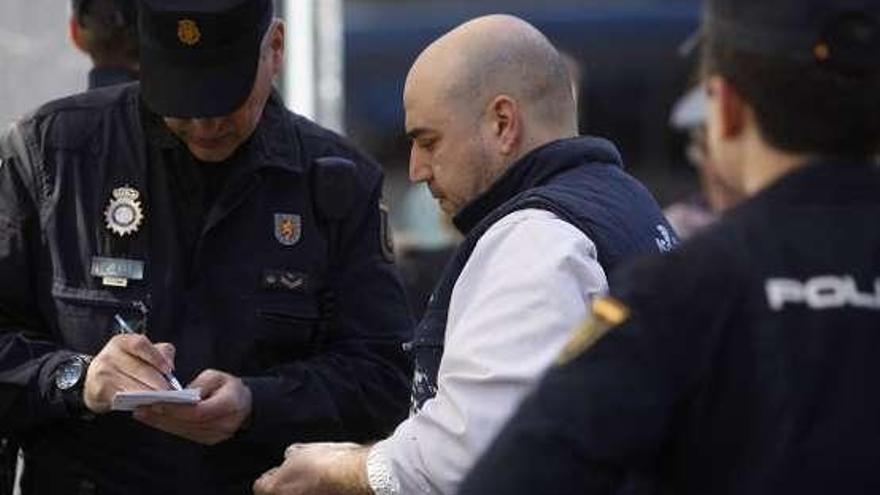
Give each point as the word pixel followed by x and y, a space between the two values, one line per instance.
pixel 545 215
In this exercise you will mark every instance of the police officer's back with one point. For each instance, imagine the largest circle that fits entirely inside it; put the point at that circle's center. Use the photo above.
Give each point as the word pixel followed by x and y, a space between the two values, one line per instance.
pixel 746 361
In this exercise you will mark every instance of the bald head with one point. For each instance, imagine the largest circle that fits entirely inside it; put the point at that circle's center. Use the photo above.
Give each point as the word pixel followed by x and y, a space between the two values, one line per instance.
pixel 499 55
pixel 477 100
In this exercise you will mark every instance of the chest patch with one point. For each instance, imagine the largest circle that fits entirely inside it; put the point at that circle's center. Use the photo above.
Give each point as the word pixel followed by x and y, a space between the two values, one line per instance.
pixel 285 281
pixel 288 228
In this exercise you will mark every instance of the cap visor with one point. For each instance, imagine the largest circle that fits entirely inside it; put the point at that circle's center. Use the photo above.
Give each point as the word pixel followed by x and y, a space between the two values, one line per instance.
pixel 185 89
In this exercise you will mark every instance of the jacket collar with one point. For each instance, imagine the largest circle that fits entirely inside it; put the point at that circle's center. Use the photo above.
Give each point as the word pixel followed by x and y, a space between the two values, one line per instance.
pixel 535 169
pixel 108 76
pixel 830 180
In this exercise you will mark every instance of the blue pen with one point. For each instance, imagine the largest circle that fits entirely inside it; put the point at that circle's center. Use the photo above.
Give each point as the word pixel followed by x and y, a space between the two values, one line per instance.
pixel 123 326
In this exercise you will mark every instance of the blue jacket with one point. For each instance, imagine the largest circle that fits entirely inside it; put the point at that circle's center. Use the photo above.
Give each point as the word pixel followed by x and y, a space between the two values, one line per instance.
pixel 287 283
pixel 582 182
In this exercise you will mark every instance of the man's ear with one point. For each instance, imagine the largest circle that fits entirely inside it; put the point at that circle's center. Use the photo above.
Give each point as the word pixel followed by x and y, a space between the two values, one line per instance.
pixel 506 121
pixel 731 107
pixel 74 30
pixel 276 46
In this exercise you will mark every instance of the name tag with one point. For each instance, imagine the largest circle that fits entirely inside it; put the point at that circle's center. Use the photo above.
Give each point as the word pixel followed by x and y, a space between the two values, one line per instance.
pixel 117 272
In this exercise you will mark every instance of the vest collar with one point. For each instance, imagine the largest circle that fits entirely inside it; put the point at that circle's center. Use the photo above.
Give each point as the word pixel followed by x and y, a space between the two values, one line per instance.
pixel 534 169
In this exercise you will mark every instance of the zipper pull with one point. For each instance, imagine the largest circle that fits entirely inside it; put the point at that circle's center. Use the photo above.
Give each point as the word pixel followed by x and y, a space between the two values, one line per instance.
pixel 144 310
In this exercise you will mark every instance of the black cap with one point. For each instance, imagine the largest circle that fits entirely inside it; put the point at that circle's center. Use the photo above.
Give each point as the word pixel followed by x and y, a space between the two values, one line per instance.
pixel 199 58
pixel 841 33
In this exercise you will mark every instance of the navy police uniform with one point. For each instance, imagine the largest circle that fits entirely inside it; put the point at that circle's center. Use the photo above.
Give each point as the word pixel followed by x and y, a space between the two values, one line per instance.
pixel 740 363
pixel 273 266
pixel 743 362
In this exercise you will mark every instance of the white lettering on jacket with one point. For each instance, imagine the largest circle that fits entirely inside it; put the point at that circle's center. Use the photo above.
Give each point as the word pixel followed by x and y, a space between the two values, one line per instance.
pixel 824 292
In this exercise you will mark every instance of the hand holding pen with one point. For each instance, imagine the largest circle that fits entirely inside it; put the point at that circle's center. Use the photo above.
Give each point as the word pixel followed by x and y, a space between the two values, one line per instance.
pixel 128 362
pixel 126 329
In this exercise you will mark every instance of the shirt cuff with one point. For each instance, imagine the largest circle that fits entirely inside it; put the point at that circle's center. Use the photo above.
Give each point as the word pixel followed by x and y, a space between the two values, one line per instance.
pixel 380 475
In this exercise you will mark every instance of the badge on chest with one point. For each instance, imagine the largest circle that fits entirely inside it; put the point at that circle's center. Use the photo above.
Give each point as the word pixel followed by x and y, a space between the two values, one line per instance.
pixel 124 214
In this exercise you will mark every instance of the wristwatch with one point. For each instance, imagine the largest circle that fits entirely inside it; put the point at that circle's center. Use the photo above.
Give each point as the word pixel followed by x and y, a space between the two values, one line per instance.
pixel 380 476
pixel 70 379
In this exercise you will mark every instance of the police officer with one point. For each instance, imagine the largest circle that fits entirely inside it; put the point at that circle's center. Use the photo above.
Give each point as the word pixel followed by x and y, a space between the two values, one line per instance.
pixel 193 227
pixel 745 361
pixel 106 31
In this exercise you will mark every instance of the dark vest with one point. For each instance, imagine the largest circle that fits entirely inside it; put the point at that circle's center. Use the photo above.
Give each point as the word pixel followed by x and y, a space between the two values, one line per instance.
pixel 581 181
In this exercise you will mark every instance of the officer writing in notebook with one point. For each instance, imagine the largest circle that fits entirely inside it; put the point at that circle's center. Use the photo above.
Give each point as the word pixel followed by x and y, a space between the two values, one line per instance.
pixel 243 245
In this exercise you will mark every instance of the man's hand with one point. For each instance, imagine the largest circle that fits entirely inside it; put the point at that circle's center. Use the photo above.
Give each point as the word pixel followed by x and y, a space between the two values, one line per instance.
pixel 127 363
pixel 225 405
pixel 318 469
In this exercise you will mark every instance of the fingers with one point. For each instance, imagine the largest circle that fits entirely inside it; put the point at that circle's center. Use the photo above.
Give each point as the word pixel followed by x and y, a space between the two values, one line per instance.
pixel 167 351
pixel 120 367
pixel 222 395
pixel 141 347
pixel 197 433
pixel 265 484
pixel 219 416
pixel 210 381
pixel 207 433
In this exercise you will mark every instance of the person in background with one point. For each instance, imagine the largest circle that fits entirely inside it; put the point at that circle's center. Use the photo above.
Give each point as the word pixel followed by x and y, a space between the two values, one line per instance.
pixel 243 245
pixel 702 208
pixel 545 214
pixel 106 31
pixel 744 361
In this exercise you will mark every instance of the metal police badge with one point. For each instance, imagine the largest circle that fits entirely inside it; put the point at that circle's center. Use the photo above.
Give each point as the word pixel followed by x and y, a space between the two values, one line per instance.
pixel 607 313
pixel 124 214
pixel 288 228
pixel 188 32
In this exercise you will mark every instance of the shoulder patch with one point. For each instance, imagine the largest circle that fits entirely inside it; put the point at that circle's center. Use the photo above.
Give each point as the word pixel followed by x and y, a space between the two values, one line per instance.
pixel 606 313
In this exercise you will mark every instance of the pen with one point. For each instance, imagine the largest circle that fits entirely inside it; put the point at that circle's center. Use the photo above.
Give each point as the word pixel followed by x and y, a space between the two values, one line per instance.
pixel 123 326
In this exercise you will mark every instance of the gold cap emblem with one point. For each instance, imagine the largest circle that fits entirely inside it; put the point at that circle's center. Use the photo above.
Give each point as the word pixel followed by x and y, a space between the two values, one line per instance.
pixel 188 32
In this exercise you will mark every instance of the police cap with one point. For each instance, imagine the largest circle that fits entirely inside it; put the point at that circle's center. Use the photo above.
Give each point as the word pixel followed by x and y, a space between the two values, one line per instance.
pixel 199 58
pixel 841 33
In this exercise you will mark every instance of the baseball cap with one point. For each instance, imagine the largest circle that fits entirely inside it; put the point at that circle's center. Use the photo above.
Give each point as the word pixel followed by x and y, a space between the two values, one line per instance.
pixel 199 58
pixel 841 33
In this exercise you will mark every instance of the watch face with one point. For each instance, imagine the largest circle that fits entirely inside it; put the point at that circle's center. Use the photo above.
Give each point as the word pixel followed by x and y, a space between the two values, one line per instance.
pixel 69 374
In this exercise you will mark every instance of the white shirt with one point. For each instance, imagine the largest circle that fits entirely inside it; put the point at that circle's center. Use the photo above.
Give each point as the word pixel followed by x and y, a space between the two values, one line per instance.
pixel 526 286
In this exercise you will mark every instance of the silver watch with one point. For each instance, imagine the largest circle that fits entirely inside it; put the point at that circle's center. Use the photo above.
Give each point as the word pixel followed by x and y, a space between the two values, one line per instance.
pixel 72 373
pixel 379 474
